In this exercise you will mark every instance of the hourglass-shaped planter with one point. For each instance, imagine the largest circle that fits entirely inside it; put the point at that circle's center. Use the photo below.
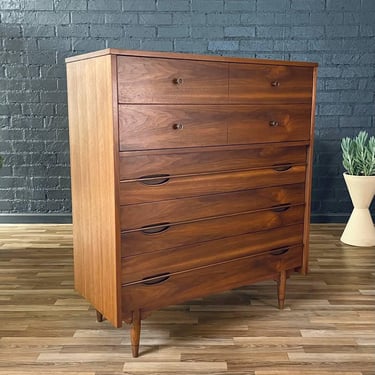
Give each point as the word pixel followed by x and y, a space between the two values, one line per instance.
pixel 360 230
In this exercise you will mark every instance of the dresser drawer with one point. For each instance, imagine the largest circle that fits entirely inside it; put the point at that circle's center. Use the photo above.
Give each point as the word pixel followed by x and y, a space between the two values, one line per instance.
pixel 143 127
pixel 170 289
pixel 182 258
pixel 165 235
pixel 256 83
pixel 208 206
pixel 158 80
pixel 159 188
pixel 136 164
pixel 269 123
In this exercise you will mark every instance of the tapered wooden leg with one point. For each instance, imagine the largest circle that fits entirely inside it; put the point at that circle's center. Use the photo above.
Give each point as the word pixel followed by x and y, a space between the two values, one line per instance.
pixel 281 287
pixel 99 316
pixel 135 333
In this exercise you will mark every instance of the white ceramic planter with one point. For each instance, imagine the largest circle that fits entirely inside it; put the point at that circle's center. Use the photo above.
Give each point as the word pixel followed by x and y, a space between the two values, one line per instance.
pixel 360 230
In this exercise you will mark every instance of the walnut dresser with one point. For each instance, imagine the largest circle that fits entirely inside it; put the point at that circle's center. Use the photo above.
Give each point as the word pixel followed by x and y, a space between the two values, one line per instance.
pixel 191 175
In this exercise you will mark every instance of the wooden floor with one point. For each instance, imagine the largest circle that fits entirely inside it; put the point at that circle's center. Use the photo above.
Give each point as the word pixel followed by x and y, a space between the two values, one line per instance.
pixel 327 327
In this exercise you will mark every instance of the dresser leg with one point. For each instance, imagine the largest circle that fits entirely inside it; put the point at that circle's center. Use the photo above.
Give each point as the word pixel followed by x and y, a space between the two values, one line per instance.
pixel 135 333
pixel 99 316
pixel 281 286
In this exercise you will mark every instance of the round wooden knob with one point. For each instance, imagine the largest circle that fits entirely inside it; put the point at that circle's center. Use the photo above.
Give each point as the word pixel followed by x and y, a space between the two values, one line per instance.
pixel 178 126
pixel 178 81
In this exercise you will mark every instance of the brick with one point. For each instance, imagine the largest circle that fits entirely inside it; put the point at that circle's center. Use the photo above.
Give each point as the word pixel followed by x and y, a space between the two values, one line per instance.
pixel 72 30
pixel 368 5
pixel 157 45
pixel 49 18
pixel 273 32
pixel 53 97
pixel 367 30
pixel 113 5
pixel 189 19
pixel 190 46
pixel 312 5
pixel 334 109
pixel 18 44
pixel 86 45
pixel 38 5
pixel 223 45
pixel 71 5
pixel 341 84
pixel 257 45
pixel 228 19
pixel 258 18
pixel 240 5
pixel 10 31
pixel 209 6
pixel 207 32
pixel 325 45
pixel 125 43
pixel 355 122
pixel 173 31
pixel 307 32
pixel 234 31
pixel 88 17
pixel 49 44
pixel 140 31
pixel 22 71
pixel 138 5
pixel 326 18
pixel 337 5
pixel 290 45
pixel 38 109
pixel 342 31
pixel 10 4
pixel 155 19
pixel 23 97
pixel 273 5
pixel 173 5
pixel 122 18
pixel 292 18
pixel 102 31
pixel 40 30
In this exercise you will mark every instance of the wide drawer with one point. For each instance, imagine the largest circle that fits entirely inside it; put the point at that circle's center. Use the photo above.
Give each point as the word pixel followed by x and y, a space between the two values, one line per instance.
pixel 158 188
pixel 135 164
pixel 158 80
pixel 187 209
pixel 182 258
pixel 166 235
pixel 164 290
pixel 256 83
pixel 143 127
pixel 269 123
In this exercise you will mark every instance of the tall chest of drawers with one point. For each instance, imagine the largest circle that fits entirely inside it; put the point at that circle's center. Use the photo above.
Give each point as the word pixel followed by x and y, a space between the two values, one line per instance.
pixel 191 175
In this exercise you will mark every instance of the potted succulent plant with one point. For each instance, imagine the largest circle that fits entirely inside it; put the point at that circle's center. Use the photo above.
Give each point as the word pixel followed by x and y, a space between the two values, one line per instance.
pixel 359 161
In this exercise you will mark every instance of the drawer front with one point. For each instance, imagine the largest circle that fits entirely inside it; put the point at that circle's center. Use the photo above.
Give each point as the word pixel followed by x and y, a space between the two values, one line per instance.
pixel 277 123
pixel 134 165
pixel 166 235
pixel 187 209
pixel 166 188
pixel 253 83
pixel 145 127
pixel 182 258
pixel 158 80
pixel 167 289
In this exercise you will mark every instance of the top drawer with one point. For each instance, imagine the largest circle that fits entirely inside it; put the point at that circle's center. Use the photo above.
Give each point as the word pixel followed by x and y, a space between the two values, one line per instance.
pixel 253 83
pixel 156 80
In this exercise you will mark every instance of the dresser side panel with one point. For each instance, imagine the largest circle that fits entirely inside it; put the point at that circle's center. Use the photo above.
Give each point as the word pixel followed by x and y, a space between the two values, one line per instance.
pixel 94 183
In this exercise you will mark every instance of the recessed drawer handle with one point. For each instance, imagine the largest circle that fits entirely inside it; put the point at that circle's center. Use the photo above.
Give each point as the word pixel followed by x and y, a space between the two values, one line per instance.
pixel 275 83
pixel 282 168
pixel 281 207
pixel 156 228
pixel 156 279
pixel 178 81
pixel 273 123
pixel 154 179
pixel 280 251
pixel 178 126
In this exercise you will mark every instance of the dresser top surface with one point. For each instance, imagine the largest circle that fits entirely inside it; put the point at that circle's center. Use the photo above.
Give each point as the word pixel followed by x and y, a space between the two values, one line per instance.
pixel 185 56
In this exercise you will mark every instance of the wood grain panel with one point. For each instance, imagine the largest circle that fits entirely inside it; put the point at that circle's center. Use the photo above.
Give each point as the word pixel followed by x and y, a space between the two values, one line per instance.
pixel 165 188
pixel 158 80
pixel 137 267
pixel 145 127
pixel 164 236
pixel 185 209
pixel 207 280
pixel 174 162
pixel 252 83
pixel 276 123
pixel 92 131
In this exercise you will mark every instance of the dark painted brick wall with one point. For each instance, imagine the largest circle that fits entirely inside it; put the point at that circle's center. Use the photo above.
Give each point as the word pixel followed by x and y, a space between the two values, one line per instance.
pixel 37 35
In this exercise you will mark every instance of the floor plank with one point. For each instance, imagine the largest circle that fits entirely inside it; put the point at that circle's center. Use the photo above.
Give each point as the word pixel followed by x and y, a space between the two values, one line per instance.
pixel 326 328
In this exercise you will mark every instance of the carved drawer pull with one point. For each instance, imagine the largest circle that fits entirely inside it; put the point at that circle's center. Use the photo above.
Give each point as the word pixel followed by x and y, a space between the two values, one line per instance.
pixel 156 279
pixel 282 167
pixel 281 207
pixel 178 81
pixel 280 251
pixel 156 228
pixel 178 126
pixel 275 83
pixel 154 179
pixel 273 123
